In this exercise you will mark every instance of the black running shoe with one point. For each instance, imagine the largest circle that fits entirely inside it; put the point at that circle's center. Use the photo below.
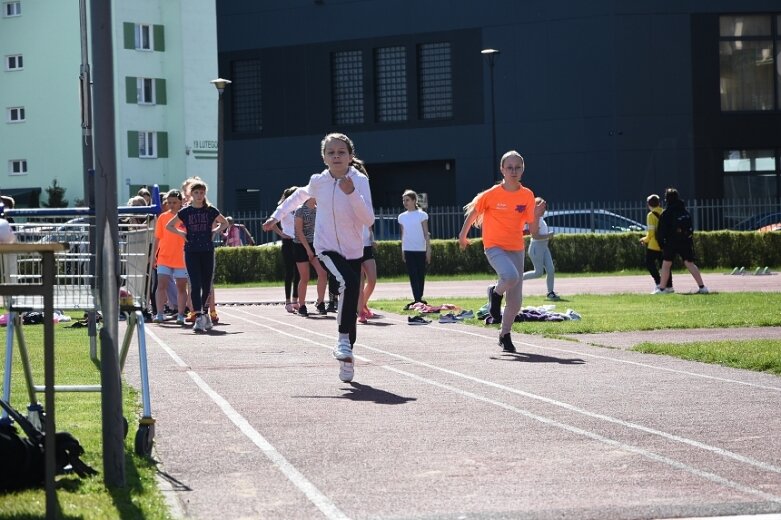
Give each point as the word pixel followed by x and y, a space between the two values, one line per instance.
pixel 494 304
pixel 332 307
pixel 302 311
pixel 506 343
pixel 321 308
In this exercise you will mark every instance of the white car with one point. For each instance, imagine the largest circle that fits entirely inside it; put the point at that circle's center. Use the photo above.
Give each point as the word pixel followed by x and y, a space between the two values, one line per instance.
pixel 589 221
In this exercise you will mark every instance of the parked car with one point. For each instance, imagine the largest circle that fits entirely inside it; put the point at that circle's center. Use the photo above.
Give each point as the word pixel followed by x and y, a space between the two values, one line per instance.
pixel 589 221
pixel 756 222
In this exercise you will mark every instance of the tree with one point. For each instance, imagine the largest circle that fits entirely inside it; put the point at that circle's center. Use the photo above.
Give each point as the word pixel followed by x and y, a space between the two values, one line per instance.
pixel 56 195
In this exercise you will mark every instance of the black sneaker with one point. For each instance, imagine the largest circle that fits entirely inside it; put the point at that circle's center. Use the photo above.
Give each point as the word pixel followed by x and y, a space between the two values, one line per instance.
pixel 321 308
pixel 332 306
pixel 494 304
pixel 506 343
pixel 302 311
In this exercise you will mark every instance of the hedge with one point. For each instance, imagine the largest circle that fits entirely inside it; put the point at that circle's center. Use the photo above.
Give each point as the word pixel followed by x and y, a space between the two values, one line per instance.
pixel 579 253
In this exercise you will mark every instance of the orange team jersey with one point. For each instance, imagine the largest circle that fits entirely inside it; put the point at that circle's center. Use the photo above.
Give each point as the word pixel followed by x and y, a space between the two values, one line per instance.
pixel 505 213
pixel 170 246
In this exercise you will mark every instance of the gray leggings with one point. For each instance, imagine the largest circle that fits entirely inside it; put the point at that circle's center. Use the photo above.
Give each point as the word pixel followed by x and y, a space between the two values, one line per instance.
pixel 509 266
pixel 539 252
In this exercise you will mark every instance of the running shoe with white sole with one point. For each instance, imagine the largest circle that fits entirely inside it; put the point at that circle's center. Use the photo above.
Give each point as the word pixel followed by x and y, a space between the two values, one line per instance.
pixel 343 351
pixel 199 325
pixel 346 371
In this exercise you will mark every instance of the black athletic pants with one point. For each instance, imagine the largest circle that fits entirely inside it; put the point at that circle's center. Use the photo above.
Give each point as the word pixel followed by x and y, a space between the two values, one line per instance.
pixel 653 262
pixel 291 271
pixel 348 275
pixel 416 269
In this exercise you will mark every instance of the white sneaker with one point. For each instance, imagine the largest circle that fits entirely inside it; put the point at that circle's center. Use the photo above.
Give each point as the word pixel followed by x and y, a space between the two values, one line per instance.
pixel 668 290
pixel 343 351
pixel 702 290
pixel 198 326
pixel 658 291
pixel 207 321
pixel 346 371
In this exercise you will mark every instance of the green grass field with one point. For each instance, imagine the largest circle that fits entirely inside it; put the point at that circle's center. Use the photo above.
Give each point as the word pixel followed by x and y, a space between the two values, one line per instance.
pixel 80 413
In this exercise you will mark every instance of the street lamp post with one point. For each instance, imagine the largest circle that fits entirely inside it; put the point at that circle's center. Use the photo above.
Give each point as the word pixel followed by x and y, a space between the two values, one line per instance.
pixel 220 85
pixel 491 54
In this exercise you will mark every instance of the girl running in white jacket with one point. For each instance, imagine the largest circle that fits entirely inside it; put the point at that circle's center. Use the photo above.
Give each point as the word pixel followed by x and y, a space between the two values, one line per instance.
pixel 344 208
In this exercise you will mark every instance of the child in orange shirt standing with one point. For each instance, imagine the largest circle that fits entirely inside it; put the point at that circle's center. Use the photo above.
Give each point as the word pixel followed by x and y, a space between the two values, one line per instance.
pixel 503 211
pixel 169 258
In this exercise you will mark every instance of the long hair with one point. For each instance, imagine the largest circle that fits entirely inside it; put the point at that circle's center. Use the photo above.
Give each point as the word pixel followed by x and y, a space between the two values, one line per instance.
pixel 413 195
pixel 470 207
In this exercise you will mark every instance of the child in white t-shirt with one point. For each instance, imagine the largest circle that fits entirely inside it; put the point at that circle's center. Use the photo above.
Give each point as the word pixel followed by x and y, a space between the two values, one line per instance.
pixel 415 244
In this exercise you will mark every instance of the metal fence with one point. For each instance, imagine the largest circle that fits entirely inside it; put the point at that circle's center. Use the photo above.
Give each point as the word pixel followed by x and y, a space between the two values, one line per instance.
pixel 445 221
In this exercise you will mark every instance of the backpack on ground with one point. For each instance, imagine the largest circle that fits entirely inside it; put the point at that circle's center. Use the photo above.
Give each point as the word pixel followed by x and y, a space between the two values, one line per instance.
pixel 23 460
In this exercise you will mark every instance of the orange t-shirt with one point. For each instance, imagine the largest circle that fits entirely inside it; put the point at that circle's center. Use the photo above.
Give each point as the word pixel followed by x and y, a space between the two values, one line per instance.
pixel 505 213
pixel 170 246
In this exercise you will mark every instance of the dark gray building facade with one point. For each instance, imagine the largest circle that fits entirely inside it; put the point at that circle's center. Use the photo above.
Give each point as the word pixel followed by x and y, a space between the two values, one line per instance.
pixel 606 100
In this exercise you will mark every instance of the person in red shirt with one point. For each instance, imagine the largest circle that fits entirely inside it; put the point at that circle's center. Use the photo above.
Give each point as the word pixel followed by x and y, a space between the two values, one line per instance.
pixel 503 211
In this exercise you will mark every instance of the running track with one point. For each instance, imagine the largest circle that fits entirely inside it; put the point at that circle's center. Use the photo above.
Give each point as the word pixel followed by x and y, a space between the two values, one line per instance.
pixel 252 422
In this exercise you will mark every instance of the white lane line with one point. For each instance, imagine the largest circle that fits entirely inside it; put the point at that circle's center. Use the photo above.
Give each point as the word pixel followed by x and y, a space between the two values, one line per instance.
pixel 320 500
pixel 606 358
pixel 626 424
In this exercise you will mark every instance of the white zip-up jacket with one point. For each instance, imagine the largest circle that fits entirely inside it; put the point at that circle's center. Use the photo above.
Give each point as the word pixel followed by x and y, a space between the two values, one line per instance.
pixel 340 217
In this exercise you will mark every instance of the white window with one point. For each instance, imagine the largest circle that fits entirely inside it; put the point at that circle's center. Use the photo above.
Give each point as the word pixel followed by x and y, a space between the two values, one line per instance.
pixel 14 62
pixel 12 9
pixel 144 37
pixel 15 115
pixel 147 145
pixel 146 91
pixel 17 167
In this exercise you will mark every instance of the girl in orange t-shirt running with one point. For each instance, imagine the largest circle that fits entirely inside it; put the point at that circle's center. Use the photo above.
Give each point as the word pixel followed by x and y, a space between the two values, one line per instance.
pixel 503 211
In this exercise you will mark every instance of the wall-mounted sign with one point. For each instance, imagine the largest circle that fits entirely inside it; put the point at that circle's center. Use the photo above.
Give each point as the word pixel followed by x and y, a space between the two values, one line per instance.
pixel 205 149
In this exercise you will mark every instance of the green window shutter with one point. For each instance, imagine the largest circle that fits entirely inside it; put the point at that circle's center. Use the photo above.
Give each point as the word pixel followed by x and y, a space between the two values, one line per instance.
pixel 132 144
pixel 131 89
pixel 162 144
pixel 159 36
pixel 160 96
pixel 130 35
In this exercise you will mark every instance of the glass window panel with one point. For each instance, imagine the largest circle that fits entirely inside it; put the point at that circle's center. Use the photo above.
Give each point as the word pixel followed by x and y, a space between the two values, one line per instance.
pixel 391 83
pixel 347 77
pixel 246 96
pixel 746 75
pixel 435 81
pixel 750 174
pixel 740 26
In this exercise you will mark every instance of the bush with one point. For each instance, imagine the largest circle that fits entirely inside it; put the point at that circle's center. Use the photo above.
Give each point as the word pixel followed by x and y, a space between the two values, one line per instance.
pixel 579 253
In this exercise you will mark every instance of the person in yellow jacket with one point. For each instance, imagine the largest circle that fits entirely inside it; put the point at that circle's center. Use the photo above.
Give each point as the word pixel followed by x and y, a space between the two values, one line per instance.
pixel 653 251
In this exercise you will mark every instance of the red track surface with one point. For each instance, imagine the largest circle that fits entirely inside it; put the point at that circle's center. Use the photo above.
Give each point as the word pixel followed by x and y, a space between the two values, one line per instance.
pixel 252 421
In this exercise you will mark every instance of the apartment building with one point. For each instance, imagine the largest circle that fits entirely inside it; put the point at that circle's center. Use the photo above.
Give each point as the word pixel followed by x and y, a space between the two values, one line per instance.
pixel 165 55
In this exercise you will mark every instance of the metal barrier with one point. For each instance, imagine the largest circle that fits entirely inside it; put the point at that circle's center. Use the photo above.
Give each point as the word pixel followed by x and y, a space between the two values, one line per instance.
pixel 74 288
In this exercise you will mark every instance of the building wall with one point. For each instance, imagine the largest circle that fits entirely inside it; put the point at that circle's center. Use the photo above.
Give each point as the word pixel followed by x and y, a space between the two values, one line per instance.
pixel 597 96
pixel 48 89
pixel 48 36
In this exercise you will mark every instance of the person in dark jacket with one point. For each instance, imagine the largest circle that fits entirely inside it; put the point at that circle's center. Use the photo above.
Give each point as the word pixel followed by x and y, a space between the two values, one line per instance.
pixel 675 235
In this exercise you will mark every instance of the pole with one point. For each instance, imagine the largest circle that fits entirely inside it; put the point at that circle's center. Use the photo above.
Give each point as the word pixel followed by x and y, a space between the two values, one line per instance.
pixel 493 116
pixel 490 55
pixel 220 153
pixel 107 230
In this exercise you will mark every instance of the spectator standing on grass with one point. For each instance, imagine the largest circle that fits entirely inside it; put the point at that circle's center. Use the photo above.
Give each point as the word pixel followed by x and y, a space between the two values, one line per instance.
pixel 415 244
pixel 653 251
pixel 345 208
pixel 676 236
pixel 303 241
pixel 199 220
pixel 539 250
pixel 237 235
pixel 503 211
pixel 286 230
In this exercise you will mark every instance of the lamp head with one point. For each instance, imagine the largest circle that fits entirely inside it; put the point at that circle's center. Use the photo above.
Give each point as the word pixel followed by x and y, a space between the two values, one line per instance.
pixel 220 84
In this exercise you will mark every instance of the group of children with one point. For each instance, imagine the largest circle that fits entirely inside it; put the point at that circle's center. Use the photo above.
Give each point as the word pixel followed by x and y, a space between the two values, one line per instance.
pixel 184 253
